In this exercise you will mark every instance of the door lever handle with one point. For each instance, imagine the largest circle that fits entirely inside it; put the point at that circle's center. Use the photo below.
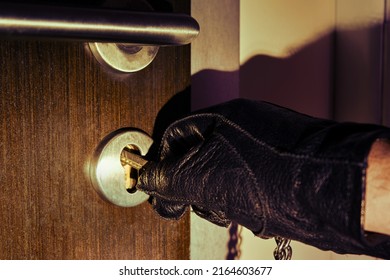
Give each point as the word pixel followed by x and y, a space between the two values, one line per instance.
pixel 110 31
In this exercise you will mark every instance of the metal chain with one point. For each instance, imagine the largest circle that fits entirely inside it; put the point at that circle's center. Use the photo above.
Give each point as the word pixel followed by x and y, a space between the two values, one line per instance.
pixel 234 244
pixel 283 250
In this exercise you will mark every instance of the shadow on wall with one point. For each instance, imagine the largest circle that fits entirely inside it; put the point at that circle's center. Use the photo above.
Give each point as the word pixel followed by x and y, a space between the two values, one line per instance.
pixel 210 87
pixel 341 75
pixel 302 81
pixel 327 74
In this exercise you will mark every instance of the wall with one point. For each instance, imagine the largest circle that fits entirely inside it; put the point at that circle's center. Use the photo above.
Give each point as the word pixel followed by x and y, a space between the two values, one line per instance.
pixel 215 53
pixel 215 78
pixel 359 55
pixel 285 53
pixel 290 55
pixel 280 51
pixel 286 58
pixel 245 40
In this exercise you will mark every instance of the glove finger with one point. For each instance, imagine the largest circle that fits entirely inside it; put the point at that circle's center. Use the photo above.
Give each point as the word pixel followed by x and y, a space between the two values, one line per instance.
pixel 153 178
pixel 181 136
pixel 171 179
pixel 167 209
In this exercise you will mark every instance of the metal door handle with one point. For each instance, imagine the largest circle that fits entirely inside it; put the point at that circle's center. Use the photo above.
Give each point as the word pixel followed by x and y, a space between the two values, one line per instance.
pixel 147 29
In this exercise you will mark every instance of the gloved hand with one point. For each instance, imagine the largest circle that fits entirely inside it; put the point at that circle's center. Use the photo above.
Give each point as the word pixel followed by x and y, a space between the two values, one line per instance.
pixel 270 169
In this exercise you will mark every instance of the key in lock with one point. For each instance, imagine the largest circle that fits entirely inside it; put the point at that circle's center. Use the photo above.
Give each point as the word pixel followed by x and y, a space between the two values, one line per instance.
pixel 115 164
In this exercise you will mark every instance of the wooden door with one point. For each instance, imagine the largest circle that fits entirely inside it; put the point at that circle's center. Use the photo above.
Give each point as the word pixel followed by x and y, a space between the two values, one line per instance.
pixel 56 104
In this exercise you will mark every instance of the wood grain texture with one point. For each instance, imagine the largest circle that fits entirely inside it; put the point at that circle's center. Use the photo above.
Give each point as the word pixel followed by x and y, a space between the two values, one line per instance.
pixel 57 103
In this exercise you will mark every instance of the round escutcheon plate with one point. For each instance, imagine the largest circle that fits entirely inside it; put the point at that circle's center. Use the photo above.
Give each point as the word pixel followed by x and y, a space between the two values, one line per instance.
pixel 107 172
pixel 124 58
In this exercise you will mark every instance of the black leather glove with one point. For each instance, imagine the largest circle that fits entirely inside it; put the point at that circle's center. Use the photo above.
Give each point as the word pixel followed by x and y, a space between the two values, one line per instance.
pixel 270 169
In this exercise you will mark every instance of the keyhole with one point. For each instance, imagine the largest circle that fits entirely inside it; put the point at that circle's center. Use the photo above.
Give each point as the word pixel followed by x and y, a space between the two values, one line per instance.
pixel 131 174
